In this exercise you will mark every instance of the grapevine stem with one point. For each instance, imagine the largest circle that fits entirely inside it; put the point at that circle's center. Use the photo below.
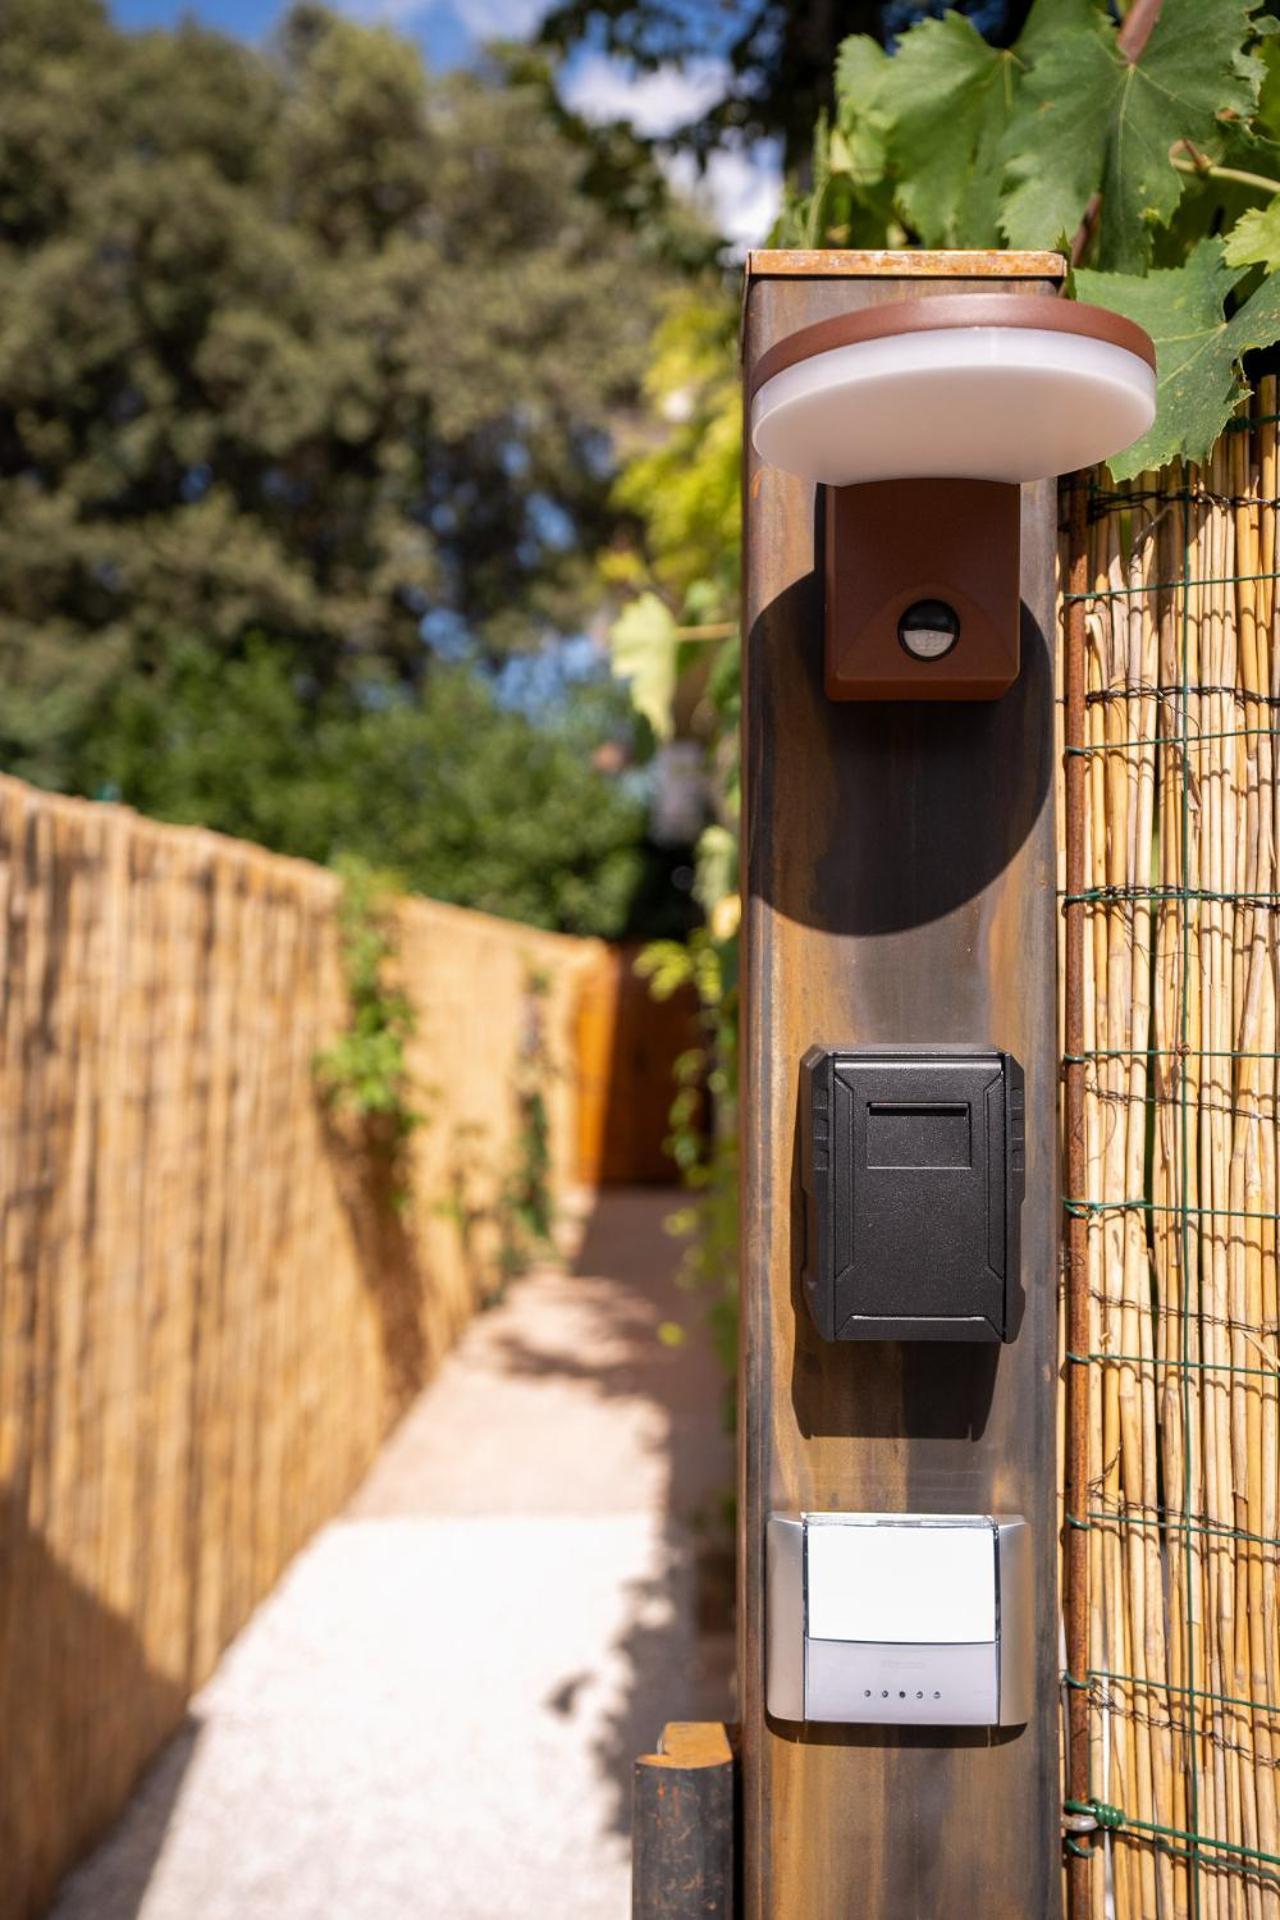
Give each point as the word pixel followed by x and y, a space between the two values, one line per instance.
pixel 1214 172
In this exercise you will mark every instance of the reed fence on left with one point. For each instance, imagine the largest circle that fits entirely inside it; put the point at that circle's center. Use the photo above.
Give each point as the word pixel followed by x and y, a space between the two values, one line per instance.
pixel 211 1307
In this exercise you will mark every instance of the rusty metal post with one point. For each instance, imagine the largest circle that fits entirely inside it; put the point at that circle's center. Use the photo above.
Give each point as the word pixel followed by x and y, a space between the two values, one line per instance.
pixel 683 1852
pixel 900 887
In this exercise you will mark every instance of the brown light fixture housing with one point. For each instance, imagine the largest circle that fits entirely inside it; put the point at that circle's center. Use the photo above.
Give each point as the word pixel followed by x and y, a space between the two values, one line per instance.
pixel 922 419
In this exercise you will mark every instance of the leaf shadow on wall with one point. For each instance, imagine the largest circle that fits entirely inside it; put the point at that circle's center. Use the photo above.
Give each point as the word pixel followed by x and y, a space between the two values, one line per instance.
pixel 369 1179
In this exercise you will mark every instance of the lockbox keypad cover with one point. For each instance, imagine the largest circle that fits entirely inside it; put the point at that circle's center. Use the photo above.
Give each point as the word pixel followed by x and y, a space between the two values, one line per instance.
pixel 913 1168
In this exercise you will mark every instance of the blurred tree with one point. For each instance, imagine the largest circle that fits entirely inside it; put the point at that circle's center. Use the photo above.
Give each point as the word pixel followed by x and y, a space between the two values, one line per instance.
pixel 678 643
pixel 304 344
pixel 463 799
pixel 621 170
pixel 777 57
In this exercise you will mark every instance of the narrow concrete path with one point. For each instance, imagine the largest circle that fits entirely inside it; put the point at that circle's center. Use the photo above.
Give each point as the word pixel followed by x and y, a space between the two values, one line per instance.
pixel 435 1714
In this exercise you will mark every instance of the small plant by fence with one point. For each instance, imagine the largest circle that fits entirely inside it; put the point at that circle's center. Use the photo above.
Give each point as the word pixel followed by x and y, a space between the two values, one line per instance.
pixel 1172 1358
pixel 211 1305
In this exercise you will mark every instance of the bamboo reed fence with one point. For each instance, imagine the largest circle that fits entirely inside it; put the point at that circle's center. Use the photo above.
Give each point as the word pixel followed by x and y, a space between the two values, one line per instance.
pixel 209 1316
pixel 1172 1361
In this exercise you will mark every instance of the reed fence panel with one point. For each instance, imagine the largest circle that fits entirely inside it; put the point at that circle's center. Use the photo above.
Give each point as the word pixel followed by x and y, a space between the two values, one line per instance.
pixel 1172 1526
pixel 209 1313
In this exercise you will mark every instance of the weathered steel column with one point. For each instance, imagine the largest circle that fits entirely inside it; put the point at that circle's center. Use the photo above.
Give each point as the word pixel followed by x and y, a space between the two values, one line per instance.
pixel 900 887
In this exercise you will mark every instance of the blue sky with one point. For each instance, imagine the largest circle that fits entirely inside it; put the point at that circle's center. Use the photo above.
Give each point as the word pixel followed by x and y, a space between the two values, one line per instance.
pixel 448 30
pixel 249 18
pixel 740 189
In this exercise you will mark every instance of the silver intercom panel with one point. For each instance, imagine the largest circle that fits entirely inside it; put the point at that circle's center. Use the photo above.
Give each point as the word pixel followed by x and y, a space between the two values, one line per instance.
pixel 899 1619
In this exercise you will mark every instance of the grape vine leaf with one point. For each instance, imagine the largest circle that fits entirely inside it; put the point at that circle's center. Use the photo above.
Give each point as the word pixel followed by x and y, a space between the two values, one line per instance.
pixel 1255 238
pixel 1089 119
pixel 948 96
pixel 949 100
pixel 861 66
pixel 643 644
pixel 1198 349
pixel 1267 119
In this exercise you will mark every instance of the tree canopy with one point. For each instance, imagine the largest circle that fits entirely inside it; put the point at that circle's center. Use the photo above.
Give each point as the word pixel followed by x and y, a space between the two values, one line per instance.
pixel 310 369
pixel 458 796
pixel 306 344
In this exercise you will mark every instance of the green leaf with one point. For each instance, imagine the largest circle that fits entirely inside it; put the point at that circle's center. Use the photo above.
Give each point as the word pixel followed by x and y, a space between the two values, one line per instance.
pixel 861 122
pixel 643 644
pixel 1198 350
pixel 946 101
pixel 820 166
pixel 1088 119
pixel 1046 20
pixel 667 965
pixel 1267 120
pixel 1057 143
pixel 1255 238
pixel 850 200
pixel 716 876
pixel 949 97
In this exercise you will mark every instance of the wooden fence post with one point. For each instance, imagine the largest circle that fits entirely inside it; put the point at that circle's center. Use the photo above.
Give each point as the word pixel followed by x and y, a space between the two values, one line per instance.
pixel 901 877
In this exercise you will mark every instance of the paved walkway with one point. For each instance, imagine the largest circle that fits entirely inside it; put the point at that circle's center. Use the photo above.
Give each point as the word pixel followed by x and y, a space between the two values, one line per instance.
pixel 434 1715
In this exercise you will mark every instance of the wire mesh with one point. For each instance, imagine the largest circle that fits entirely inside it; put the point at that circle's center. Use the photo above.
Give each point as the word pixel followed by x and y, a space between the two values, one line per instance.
pixel 1173 986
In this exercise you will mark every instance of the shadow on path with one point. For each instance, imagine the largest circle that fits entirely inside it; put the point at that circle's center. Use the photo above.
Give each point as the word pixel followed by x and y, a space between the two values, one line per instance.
pixel 113 1884
pixel 444 1697
pixel 676 1645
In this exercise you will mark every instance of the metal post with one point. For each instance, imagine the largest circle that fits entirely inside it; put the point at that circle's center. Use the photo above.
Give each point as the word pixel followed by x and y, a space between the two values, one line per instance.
pixel 900 887
pixel 683 1848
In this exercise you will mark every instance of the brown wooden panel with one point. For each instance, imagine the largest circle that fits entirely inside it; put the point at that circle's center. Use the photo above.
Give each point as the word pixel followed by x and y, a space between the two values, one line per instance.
pixel 627 1046
pixel 900 876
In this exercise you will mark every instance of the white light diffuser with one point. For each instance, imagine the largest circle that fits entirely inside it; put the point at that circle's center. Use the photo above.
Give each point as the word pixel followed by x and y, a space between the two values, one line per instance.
pixel 964 403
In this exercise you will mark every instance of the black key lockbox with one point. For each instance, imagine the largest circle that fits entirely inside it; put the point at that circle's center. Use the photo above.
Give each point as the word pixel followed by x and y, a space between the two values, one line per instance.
pixel 913 1165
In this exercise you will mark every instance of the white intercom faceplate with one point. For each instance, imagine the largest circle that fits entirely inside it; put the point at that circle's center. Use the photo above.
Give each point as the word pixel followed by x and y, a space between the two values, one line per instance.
pixel 899 1619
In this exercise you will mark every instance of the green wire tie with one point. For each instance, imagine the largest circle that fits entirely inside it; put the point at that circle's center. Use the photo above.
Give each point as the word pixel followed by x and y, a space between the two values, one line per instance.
pixel 1168 896
pixel 1167 586
pixel 1115 1820
pixel 1164 1365
pixel 1171 1523
pixel 1175 1051
pixel 1170 1686
pixel 1169 740
pixel 1082 1209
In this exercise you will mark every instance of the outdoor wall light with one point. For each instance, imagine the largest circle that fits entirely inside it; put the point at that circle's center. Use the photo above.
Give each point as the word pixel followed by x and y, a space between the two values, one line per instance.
pixel 922 418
